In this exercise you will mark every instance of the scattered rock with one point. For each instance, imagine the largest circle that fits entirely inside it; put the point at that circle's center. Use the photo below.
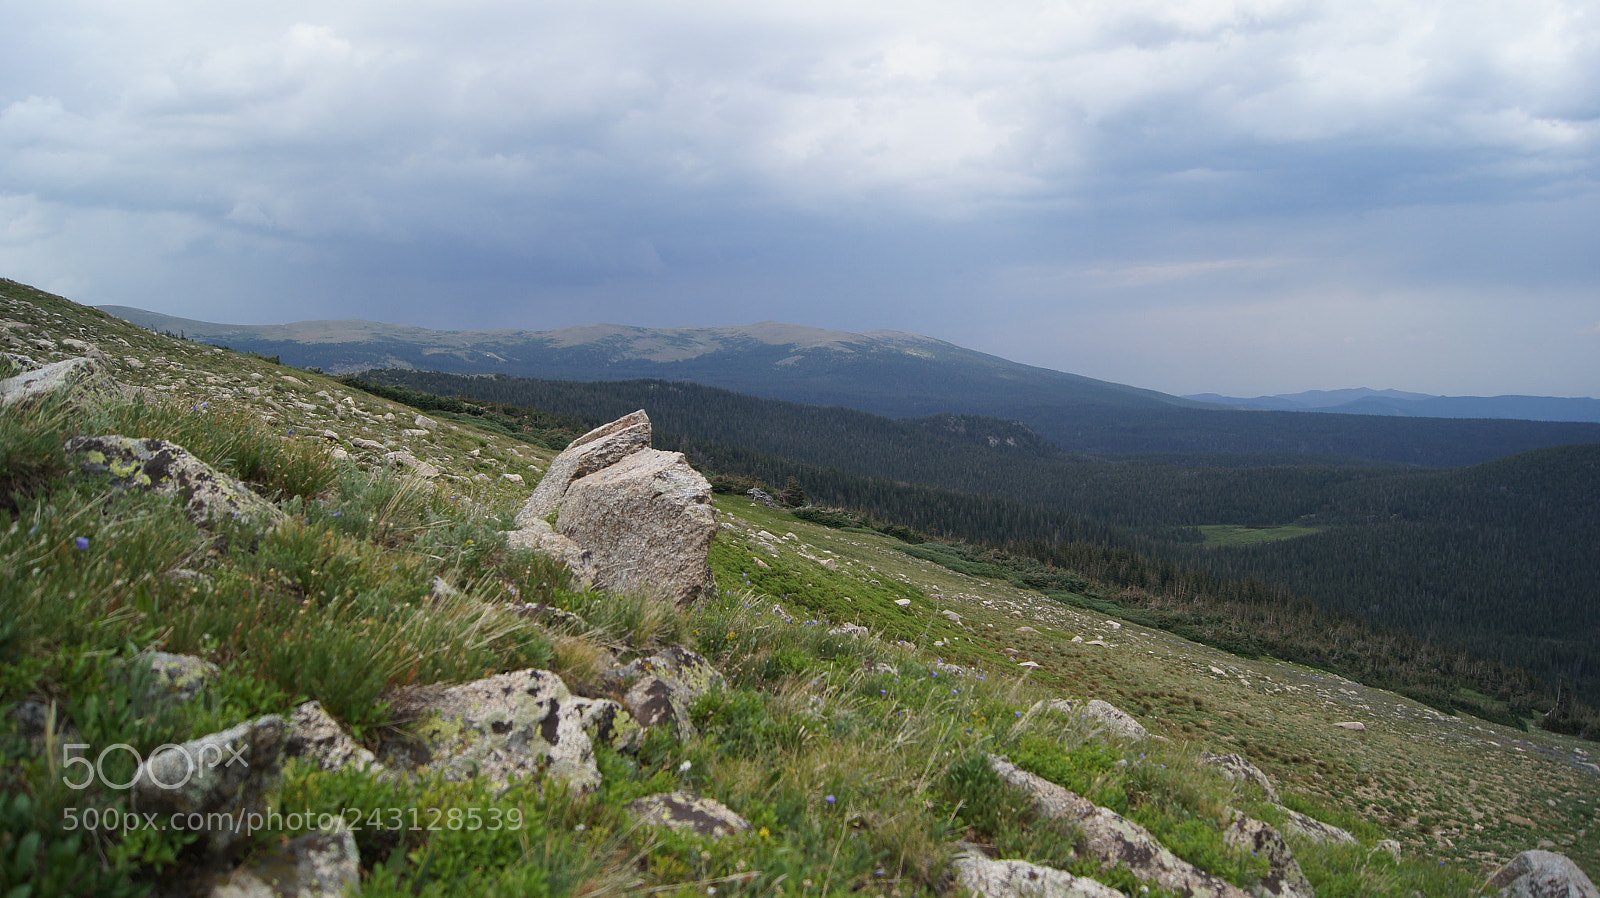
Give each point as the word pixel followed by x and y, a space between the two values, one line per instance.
pixel 989 878
pixel 684 812
pixel 169 468
pixel 217 778
pixel 1389 847
pixel 413 465
pixel 317 737
pixel 1352 725
pixel 852 630
pixel 315 865
pixel 760 497
pixel 1235 767
pixel 1284 877
pixel 1313 829
pixel 1115 840
pixel 425 423
pixel 549 615
pixel 79 379
pixel 512 478
pixel 511 726
pixel 1542 874
pixel 1104 715
pixel 369 445
pixel 178 677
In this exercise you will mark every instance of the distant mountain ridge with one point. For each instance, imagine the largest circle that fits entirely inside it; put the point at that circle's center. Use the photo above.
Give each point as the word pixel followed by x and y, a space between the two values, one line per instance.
pixel 1418 405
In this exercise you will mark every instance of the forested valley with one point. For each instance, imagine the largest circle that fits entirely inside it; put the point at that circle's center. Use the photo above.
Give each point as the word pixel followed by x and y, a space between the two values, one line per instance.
pixel 1488 571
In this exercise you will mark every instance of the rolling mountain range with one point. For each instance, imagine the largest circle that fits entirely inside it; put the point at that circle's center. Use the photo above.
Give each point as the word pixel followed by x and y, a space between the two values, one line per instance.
pixel 889 373
pixel 1419 405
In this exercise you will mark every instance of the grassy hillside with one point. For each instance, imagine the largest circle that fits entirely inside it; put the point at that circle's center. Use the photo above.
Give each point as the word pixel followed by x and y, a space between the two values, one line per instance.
pixel 854 759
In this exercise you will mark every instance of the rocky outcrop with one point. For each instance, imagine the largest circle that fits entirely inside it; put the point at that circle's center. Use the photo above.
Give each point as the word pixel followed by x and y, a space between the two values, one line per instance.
pixel 1284 877
pixel 149 464
pixel 76 379
pixel 1114 839
pixel 624 517
pixel 506 727
pixel 1235 767
pixel 315 865
pixel 1314 830
pixel 216 781
pixel 1541 874
pixel 683 812
pixel 991 878
pixel 668 684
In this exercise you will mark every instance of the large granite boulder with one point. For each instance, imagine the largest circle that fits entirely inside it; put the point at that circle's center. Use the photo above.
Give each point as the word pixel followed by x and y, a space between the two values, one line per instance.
pixel 1115 840
pixel 1541 874
pixel 989 878
pixel 150 464
pixel 512 726
pixel 220 783
pixel 624 517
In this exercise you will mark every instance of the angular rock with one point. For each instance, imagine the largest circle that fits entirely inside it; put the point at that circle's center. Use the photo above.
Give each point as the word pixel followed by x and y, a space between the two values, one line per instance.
pixel 1284 877
pixel 653 701
pixel 1313 829
pixel 1541 874
pixel 1103 715
pixel 683 812
pixel 168 468
pixel 412 464
pixel 217 781
pixel 511 726
pixel 689 672
pixel 79 378
pixel 1355 726
pixel 649 523
pixel 542 538
pixel 368 445
pixel 599 448
pixel 989 878
pixel 1237 768
pixel 1115 840
pixel 316 737
pixel 315 865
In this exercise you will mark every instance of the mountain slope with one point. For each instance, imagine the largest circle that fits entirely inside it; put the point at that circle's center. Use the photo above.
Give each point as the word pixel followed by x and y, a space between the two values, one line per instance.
pixel 1421 405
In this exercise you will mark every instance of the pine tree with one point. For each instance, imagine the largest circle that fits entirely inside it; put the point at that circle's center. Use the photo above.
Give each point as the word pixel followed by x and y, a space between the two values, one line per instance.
pixel 792 495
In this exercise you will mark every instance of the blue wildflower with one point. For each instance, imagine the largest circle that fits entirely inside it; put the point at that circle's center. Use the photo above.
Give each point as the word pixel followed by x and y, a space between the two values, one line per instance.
pixel 82 542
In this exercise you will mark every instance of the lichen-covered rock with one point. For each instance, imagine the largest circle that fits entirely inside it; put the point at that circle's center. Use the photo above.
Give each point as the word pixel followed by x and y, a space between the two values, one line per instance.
pixel 1284 877
pixel 512 726
pixel 1114 839
pixel 318 739
pixel 1541 874
pixel 149 464
pixel 315 865
pixel 1102 715
pixel 1312 829
pixel 991 878
pixel 179 677
pixel 77 379
pixel 686 670
pixel 649 523
pixel 683 812
pixel 1237 768
pixel 599 448
pixel 216 781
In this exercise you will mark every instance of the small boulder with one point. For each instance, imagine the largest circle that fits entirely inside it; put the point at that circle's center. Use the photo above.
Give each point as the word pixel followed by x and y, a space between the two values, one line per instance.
pixel 1541 874
pixel 168 468
pixel 315 865
pixel 1235 767
pixel 78 379
pixel 217 781
pixel 1355 726
pixel 683 812
pixel 413 465
pixel 1313 829
pixel 318 739
pixel 1284 877
pixel 1102 715
pixel 988 878
pixel 179 677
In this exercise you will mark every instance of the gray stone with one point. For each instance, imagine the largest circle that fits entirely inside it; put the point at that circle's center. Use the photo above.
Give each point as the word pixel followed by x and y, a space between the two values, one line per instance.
pixel 989 878
pixel 1542 874
pixel 760 497
pixel 1314 830
pixel 412 464
pixel 76 379
pixel 168 468
pixel 1101 715
pixel 683 812
pixel 179 677
pixel 599 448
pixel 506 727
pixel 649 523
pixel 689 672
pixel 369 445
pixel 216 781
pixel 1284 877
pixel 315 865
pixel 1237 768
pixel 1114 840
pixel 317 738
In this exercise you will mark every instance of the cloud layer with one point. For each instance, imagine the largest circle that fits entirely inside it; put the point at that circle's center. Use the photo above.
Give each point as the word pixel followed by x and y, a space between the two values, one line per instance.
pixel 1231 196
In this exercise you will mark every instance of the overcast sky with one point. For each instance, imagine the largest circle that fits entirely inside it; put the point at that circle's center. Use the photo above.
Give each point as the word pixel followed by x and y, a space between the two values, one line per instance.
pixel 1241 197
